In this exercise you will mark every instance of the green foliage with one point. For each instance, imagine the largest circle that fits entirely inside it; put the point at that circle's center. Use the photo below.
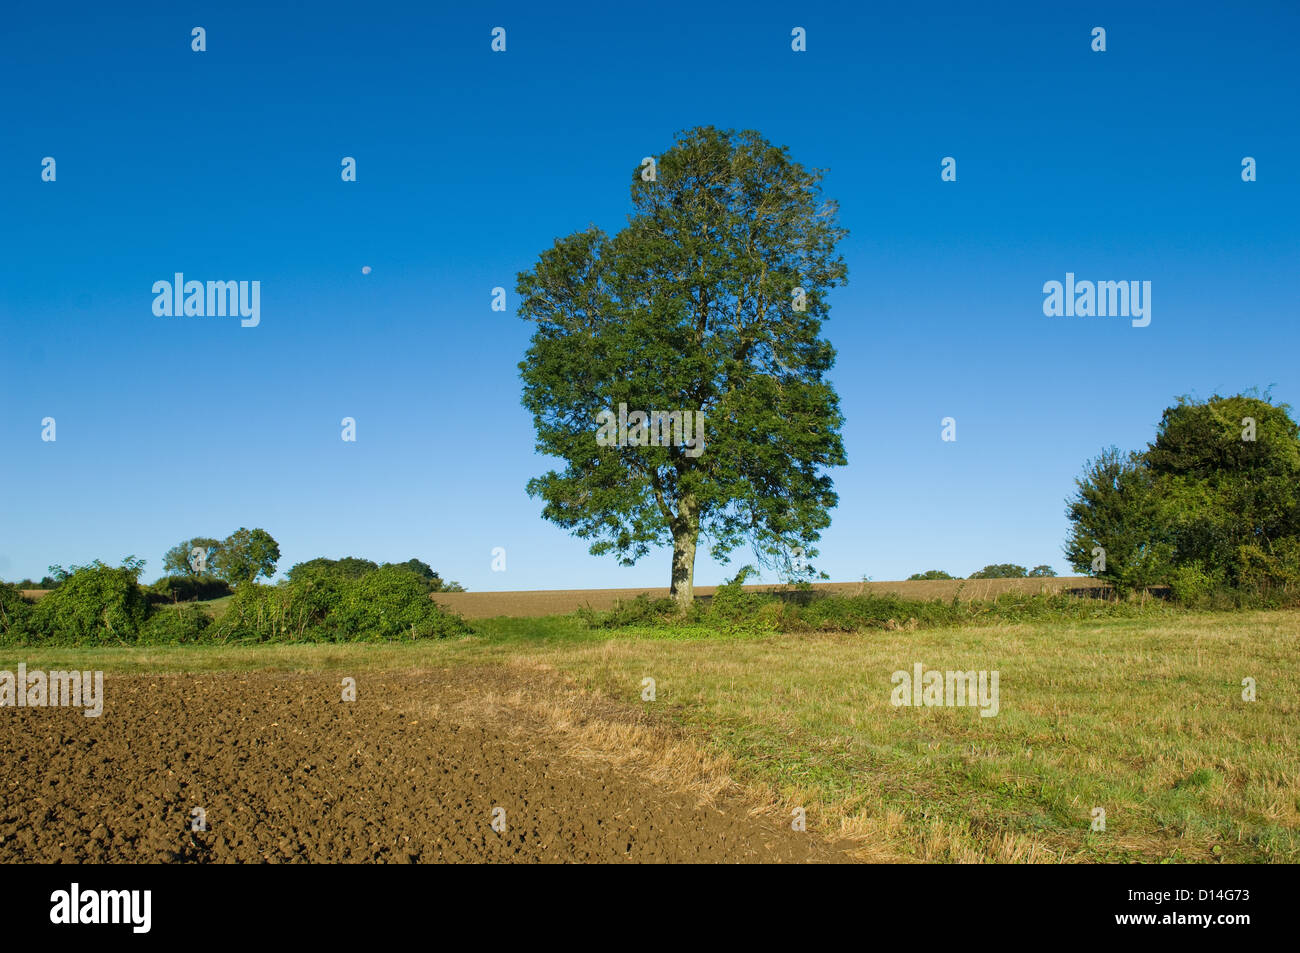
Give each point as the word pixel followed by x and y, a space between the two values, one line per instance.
pixel 14 613
pixel 188 588
pixel 258 613
pixel 324 603
pixel 1043 571
pixel 391 602
pixel 349 567
pixel 637 612
pixel 47 582
pixel 929 574
pixel 733 605
pixel 245 555
pixel 1215 496
pixel 1115 514
pixel 689 308
pixel 177 560
pixel 1272 567
pixel 170 625
pixel 93 605
pixel 1000 571
pixel 757 611
pixel 1192 585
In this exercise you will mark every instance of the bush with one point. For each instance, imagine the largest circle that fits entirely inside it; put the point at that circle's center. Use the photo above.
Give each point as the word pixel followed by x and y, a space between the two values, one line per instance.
pixel 176 624
pixel 390 603
pixel 929 574
pixel 1275 569
pixel 759 612
pixel 188 589
pixel 324 604
pixel 733 605
pixel 15 612
pixel 93 605
pixel 1001 571
pixel 257 613
pixel 640 611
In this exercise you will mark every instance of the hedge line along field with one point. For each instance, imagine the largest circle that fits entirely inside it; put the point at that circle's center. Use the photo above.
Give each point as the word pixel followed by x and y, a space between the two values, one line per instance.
pixel 1142 718
pixel 541 602
pixel 524 604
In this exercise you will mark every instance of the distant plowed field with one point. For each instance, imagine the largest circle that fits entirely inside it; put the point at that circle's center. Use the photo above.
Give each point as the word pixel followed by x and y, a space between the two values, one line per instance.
pixel 528 603
pixel 539 602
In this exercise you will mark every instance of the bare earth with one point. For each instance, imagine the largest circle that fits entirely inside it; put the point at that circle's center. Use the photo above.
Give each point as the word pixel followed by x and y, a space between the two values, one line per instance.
pixel 410 771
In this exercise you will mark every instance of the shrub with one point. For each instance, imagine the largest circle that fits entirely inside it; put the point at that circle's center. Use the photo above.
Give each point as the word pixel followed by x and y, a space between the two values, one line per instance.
pixel 733 605
pixel 390 603
pixel 640 611
pixel 257 613
pixel 323 604
pixel 1275 569
pixel 15 612
pixel 95 604
pixel 176 624
pixel 187 589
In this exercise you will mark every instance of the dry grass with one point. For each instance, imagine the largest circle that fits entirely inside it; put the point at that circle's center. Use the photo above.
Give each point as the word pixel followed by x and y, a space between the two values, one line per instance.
pixel 1140 716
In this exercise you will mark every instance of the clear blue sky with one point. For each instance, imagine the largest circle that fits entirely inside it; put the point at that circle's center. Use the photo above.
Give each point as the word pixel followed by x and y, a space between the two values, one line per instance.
pixel 225 165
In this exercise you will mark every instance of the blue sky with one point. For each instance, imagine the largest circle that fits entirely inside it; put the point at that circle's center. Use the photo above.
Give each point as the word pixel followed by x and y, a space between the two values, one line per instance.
pixel 225 165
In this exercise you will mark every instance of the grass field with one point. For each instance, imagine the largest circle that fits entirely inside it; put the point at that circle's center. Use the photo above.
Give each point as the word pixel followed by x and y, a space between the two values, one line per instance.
pixel 1142 719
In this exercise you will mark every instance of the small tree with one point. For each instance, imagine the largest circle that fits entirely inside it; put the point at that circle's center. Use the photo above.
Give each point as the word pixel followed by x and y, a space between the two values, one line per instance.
pixel 1043 571
pixel 245 555
pixel 181 559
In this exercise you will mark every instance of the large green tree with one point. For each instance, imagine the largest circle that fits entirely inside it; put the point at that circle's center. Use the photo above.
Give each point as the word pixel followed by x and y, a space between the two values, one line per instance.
pixel 710 300
pixel 1217 491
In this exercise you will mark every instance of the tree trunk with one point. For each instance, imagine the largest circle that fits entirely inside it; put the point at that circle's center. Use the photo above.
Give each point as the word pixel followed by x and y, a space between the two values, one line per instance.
pixel 686 530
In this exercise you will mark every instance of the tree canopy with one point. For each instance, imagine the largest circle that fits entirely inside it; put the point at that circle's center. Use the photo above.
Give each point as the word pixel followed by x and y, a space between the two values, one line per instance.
pixel 709 302
pixel 1213 501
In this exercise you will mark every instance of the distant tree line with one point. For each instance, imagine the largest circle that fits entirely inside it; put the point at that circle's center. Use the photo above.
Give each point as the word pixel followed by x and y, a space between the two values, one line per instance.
pixel 995 571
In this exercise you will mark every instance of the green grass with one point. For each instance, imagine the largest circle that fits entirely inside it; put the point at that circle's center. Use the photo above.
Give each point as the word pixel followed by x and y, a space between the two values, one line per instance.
pixel 1141 716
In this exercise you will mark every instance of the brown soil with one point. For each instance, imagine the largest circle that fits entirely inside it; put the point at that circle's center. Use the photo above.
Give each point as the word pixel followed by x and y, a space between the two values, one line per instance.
pixel 539 602
pixel 410 771
pixel 529 603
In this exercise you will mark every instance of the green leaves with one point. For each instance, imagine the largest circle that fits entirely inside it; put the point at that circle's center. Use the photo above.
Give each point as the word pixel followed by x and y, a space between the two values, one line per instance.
pixel 1001 571
pixel 95 604
pixel 693 307
pixel 1214 500
pixel 246 554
